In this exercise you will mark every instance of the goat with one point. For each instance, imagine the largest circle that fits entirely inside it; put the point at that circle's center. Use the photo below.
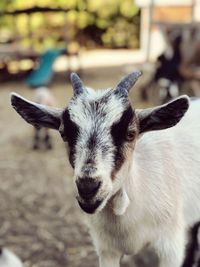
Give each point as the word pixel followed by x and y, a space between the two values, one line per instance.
pixel 9 259
pixel 41 136
pixel 136 173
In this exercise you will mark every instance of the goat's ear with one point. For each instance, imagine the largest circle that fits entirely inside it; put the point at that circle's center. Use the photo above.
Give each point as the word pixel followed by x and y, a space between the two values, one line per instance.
pixel 36 114
pixel 163 117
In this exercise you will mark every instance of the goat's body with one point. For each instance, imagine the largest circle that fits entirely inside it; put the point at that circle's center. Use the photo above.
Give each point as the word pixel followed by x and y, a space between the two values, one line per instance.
pixel 166 164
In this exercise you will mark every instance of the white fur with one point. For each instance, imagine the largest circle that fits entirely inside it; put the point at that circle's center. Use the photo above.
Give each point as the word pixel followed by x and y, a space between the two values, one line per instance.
pixel 9 259
pixel 44 96
pixel 163 186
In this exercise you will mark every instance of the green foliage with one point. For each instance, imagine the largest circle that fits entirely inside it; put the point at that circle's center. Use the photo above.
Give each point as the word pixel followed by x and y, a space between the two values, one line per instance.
pixel 109 23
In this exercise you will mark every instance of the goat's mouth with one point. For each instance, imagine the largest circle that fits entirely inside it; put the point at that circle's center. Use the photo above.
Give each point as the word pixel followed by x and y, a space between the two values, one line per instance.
pixel 89 206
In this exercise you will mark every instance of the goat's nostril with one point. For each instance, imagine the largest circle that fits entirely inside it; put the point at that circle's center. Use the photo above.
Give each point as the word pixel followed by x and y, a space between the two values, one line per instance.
pixel 87 187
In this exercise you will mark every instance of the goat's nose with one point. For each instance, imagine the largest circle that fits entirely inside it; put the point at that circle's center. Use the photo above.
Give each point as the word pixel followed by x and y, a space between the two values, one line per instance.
pixel 87 187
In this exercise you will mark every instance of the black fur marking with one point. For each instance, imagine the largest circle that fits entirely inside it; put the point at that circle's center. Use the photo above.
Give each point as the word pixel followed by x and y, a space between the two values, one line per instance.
pixel 92 145
pixel 90 161
pixel 192 247
pixel 34 114
pixel 119 129
pixel 70 134
pixel 92 141
pixel 119 133
pixel 1 250
pixel 164 117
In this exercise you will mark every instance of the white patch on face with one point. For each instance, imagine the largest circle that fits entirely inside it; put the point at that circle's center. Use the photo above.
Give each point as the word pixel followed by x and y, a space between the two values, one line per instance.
pixel 82 111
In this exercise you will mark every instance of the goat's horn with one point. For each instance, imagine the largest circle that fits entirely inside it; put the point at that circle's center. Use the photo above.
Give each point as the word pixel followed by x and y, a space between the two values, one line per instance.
pixel 128 81
pixel 77 84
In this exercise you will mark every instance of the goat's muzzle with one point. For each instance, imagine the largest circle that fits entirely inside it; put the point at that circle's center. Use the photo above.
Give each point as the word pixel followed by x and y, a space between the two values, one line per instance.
pixel 87 187
pixel 87 190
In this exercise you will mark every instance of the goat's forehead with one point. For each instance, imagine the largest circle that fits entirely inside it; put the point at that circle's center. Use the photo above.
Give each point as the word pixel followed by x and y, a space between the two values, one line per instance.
pixel 102 106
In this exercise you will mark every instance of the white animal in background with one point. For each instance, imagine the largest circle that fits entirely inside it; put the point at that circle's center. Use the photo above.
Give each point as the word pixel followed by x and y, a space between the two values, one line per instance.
pixel 42 137
pixel 9 259
pixel 136 175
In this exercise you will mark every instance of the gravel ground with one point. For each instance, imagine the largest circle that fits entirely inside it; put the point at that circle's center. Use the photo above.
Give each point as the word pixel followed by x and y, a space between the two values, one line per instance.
pixel 39 217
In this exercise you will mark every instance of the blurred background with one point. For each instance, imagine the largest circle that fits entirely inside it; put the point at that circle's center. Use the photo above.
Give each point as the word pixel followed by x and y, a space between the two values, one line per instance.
pixel 41 43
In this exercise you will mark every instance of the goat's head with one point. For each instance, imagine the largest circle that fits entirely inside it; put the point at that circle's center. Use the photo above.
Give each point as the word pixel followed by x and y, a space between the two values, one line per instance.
pixel 100 128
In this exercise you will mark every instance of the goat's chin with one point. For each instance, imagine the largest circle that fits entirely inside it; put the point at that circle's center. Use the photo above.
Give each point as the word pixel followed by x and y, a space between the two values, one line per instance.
pixel 92 207
pixel 89 207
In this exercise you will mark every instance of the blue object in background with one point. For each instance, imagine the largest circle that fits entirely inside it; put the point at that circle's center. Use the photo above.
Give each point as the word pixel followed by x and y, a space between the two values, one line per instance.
pixel 42 75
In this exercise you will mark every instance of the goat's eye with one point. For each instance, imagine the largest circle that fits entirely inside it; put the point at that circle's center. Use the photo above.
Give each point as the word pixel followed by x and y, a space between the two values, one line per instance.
pixel 130 135
pixel 122 131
